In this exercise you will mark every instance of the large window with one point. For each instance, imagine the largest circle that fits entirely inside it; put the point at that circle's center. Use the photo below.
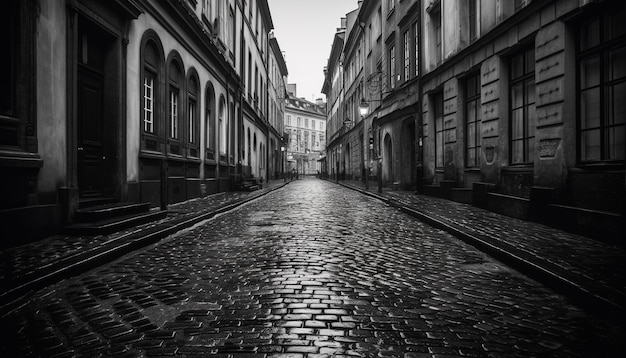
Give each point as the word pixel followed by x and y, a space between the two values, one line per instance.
pixel 193 114
pixel 473 17
pixel 209 115
pixel 472 121
pixel 406 41
pixel 148 102
pixel 522 118
pixel 151 106
pixel 173 113
pixel 435 21
pixel 602 87
pixel 439 143
pixel 392 66
pixel 416 46
pixel 223 139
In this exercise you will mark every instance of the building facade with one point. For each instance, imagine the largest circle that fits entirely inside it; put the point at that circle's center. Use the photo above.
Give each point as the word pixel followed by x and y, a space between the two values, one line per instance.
pixel 521 102
pixel 277 93
pixel 305 124
pixel 128 101
pixel 379 61
pixel 513 106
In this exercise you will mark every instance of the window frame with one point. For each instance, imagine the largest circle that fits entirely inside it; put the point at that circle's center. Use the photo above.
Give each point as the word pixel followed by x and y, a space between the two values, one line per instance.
pixel 475 98
pixel 438 121
pixel 149 141
pixel 524 79
pixel 601 51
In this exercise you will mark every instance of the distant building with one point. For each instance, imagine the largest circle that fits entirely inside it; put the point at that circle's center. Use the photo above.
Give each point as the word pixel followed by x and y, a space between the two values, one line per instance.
pixel 305 124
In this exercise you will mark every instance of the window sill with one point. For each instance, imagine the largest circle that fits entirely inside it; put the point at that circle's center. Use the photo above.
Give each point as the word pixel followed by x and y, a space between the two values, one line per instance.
pixel 521 168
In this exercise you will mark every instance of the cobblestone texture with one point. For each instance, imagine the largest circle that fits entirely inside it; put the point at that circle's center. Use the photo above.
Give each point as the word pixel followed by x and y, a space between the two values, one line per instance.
pixel 602 266
pixel 310 270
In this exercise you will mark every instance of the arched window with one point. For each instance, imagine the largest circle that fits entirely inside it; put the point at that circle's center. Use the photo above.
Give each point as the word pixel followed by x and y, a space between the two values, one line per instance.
pixel 151 72
pixel 209 118
pixel 175 111
pixel 193 110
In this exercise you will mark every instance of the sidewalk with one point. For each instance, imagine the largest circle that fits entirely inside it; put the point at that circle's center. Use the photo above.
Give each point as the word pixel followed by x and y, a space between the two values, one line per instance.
pixel 590 272
pixel 29 267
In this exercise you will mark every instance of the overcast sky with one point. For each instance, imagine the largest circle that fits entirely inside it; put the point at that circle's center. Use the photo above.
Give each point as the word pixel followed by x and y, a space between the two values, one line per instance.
pixel 305 30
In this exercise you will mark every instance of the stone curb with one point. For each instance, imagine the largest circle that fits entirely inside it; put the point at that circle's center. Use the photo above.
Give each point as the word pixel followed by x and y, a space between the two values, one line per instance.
pixel 531 265
pixel 76 264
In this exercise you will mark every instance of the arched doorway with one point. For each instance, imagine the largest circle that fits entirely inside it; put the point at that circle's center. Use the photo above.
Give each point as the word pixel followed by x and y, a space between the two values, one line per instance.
pixel 388 160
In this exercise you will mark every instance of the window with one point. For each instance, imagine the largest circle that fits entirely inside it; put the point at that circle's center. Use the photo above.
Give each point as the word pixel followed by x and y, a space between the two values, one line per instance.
pixel 299 141
pixel 299 122
pixel 439 143
pixel 472 14
pixel 392 66
pixel 206 9
pixel 306 123
pixel 148 102
pixel 522 118
pixel 312 124
pixel 416 46
pixel 232 30
pixel 306 140
pixel 472 122
pixel 209 113
pixel 192 130
pixel 175 83
pixel 222 129
pixel 602 87
pixel 173 113
pixel 193 115
pixel 435 21
pixel 407 55
pixel 289 120
pixel 152 113
pixel 520 4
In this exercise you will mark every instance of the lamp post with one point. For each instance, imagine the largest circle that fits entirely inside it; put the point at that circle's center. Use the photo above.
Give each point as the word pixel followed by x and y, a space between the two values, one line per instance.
pixel 282 162
pixel 363 111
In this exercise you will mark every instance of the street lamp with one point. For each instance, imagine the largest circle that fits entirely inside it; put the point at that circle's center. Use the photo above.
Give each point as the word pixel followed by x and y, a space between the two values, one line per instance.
pixel 364 108
pixel 282 162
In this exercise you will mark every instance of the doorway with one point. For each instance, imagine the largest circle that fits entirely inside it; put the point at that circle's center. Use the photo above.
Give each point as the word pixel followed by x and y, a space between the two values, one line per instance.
pixel 96 113
pixel 388 160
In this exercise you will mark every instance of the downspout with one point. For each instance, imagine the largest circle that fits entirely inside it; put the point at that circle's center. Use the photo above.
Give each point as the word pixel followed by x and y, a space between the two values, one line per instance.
pixel 420 124
pixel 242 54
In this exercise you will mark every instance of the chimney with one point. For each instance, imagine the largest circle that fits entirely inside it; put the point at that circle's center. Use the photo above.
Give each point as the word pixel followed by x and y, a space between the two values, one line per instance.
pixel 291 89
pixel 344 22
pixel 319 102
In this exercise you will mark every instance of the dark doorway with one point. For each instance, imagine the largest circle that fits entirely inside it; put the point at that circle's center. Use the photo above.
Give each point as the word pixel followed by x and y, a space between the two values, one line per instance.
pixel 96 122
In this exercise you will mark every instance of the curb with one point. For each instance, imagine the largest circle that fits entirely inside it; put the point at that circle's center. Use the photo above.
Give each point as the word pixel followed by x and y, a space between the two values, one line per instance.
pixel 523 261
pixel 73 265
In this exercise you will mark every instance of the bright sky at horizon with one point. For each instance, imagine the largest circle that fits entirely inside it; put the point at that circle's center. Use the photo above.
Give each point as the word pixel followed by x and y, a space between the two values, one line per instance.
pixel 305 30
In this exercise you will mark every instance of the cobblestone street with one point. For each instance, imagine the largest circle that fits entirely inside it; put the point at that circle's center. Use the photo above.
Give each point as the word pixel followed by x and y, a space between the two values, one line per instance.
pixel 312 269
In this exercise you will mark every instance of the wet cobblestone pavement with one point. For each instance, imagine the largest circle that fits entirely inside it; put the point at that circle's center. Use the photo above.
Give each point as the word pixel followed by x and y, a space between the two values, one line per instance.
pixel 308 270
pixel 596 266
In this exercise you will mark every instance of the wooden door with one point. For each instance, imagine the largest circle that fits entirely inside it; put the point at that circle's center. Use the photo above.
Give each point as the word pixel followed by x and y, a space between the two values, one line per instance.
pixel 91 154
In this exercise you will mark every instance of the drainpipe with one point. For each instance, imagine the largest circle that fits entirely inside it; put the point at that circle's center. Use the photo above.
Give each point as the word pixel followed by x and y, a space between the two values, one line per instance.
pixel 420 119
